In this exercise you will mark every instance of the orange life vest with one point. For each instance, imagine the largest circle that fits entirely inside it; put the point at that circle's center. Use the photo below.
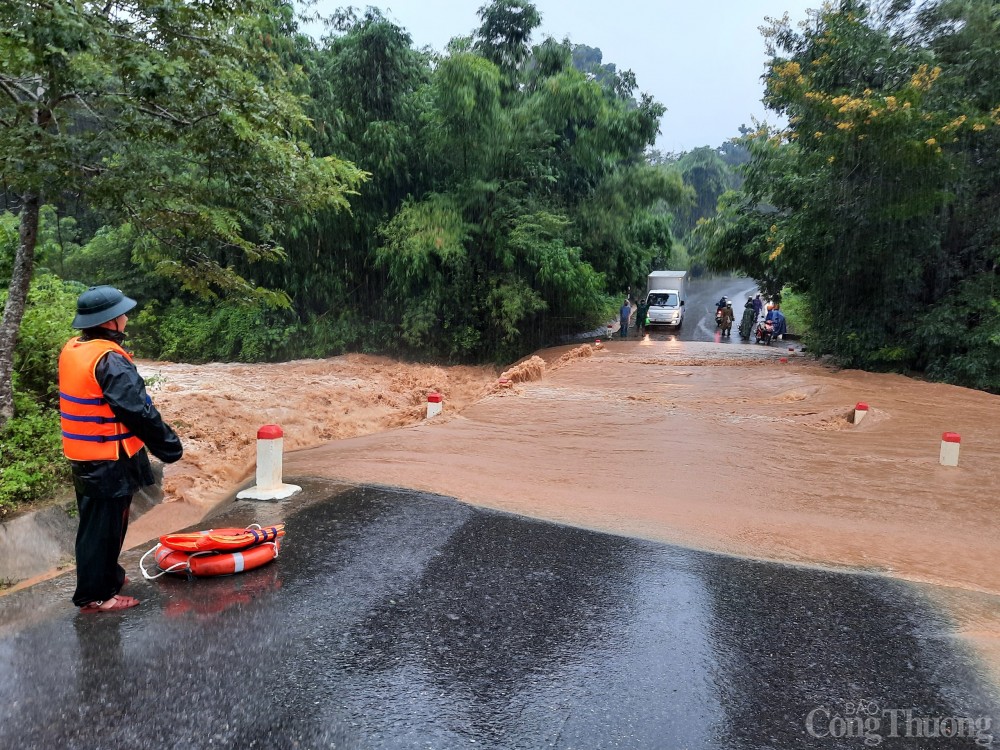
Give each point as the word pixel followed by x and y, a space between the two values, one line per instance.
pixel 90 430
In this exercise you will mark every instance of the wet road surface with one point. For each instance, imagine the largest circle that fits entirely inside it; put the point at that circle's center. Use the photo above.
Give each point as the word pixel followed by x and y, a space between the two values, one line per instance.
pixel 397 619
pixel 699 310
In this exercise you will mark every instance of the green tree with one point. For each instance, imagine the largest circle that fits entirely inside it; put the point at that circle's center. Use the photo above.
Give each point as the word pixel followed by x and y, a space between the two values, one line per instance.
pixel 869 200
pixel 368 90
pixel 173 115
pixel 542 202
pixel 504 36
pixel 708 177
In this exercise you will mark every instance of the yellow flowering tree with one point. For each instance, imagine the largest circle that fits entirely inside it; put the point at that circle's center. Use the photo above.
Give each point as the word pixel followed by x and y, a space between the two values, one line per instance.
pixel 862 199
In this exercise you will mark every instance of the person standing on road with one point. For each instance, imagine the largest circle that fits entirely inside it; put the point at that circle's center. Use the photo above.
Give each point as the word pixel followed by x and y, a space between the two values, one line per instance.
pixel 758 305
pixel 108 421
pixel 749 318
pixel 640 317
pixel 780 324
pixel 623 317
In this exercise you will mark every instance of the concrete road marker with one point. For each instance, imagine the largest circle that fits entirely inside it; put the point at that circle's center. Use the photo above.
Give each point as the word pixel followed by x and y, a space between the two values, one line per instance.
pixel 860 411
pixel 950 444
pixel 270 445
pixel 434 405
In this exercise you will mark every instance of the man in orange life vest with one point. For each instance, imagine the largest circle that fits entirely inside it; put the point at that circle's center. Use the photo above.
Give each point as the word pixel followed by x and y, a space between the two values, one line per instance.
pixel 108 421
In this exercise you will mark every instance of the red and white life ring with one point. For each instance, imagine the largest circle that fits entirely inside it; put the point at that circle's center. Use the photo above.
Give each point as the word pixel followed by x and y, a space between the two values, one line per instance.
pixel 213 563
pixel 222 539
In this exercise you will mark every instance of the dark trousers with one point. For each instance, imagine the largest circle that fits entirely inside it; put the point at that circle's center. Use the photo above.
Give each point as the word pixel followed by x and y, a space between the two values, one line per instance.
pixel 99 540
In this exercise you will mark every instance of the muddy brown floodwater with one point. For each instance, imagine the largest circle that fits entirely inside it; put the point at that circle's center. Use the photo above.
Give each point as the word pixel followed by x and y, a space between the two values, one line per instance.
pixel 722 448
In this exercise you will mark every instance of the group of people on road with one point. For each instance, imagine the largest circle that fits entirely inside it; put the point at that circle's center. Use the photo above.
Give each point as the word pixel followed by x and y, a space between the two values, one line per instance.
pixel 726 316
pixel 774 318
pixel 625 318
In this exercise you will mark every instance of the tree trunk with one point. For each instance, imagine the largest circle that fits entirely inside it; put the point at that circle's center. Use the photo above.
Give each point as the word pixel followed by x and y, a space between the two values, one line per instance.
pixel 17 298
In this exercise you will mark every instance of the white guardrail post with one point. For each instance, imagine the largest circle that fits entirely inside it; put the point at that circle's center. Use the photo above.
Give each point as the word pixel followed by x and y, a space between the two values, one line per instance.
pixel 270 446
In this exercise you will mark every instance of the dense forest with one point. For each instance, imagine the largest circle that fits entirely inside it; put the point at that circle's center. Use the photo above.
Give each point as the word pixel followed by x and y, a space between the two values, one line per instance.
pixel 265 195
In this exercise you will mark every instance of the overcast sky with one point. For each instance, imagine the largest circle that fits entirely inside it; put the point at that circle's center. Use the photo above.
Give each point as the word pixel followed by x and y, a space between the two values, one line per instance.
pixel 702 59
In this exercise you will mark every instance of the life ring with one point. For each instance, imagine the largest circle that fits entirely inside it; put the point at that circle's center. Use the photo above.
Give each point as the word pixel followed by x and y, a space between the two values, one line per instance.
pixel 211 563
pixel 223 539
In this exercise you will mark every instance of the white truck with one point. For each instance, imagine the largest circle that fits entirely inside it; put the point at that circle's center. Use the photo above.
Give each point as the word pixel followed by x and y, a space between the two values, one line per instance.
pixel 665 297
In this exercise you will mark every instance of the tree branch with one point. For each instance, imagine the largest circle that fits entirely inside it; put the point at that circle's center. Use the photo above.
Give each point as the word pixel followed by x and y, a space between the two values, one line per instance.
pixel 205 116
pixel 28 93
pixel 164 115
pixel 84 103
pixel 9 91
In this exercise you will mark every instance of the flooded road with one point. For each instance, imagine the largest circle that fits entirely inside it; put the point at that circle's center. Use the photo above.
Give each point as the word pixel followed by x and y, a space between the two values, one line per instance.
pixel 718 447
pixel 398 619
pixel 714 446
pixel 723 448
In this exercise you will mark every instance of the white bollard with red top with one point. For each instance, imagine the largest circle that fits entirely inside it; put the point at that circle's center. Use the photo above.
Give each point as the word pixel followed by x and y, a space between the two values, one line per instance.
pixel 860 412
pixel 270 444
pixel 950 444
pixel 434 405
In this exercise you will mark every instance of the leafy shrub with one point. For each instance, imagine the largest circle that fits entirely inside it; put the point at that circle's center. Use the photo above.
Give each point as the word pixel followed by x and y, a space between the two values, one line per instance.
pixel 118 256
pixel 198 332
pixel 795 306
pixel 187 331
pixel 959 338
pixel 9 239
pixel 31 461
pixel 45 328
pixel 328 335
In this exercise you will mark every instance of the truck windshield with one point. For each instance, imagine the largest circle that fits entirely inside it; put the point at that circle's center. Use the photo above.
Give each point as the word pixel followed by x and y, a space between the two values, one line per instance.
pixel 663 300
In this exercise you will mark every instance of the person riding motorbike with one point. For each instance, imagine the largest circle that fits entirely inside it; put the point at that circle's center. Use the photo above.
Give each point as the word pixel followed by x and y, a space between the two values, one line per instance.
pixel 727 319
pixel 719 307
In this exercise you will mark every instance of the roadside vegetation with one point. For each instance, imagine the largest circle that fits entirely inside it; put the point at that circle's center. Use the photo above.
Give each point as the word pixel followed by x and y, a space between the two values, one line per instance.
pixel 880 201
pixel 267 196
pixel 798 313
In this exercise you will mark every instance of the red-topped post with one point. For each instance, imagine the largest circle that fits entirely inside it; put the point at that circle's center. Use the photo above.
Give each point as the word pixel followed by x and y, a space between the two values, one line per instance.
pixel 270 447
pixel 951 442
pixel 860 411
pixel 434 404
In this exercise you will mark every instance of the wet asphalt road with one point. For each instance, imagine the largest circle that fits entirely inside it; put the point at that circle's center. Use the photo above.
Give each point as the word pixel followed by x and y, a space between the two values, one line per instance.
pixel 401 620
pixel 699 311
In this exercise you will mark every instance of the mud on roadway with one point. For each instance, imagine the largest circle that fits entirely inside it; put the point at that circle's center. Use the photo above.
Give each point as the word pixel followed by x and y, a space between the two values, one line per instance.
pixel 715 447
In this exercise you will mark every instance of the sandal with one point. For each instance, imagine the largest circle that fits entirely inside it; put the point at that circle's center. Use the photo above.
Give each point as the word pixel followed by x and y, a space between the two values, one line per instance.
pixel 115 603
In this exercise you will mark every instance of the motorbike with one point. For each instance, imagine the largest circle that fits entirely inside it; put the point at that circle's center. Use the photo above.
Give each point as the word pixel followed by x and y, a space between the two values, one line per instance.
pixel 718 312
pixel 764 331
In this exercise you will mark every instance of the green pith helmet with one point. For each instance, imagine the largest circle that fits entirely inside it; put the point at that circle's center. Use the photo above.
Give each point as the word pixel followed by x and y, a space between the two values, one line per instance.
pixel 99 304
